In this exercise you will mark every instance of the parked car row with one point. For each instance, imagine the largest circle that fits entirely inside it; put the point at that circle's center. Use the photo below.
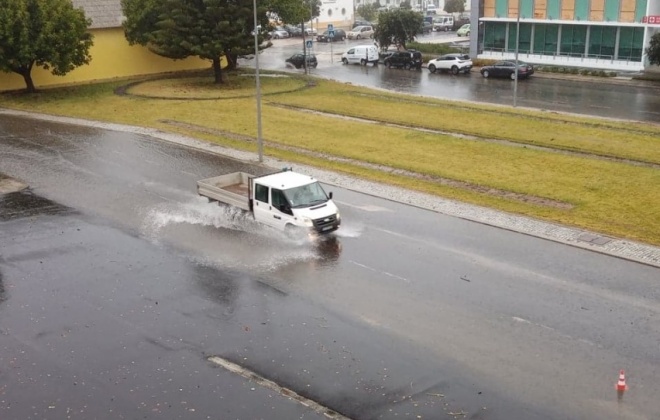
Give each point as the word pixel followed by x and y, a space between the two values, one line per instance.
pixel 454 63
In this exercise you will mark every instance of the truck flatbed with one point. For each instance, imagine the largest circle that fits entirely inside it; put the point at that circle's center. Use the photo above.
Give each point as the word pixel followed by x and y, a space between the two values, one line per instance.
pixel 231 189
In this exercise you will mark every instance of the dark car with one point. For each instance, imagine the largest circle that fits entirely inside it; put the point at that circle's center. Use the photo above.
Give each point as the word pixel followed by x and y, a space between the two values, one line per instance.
pixel 340 35
pixel 507 68
pixel 298 60
pixel 427 28
pixel 361 23
pixel 410 59
pixel 293 30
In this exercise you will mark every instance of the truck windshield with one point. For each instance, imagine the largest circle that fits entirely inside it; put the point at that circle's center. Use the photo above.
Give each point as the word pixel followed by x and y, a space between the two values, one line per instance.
pixel 306 195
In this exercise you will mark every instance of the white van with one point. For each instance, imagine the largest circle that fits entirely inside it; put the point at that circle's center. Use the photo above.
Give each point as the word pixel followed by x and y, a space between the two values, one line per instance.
pixel 361 54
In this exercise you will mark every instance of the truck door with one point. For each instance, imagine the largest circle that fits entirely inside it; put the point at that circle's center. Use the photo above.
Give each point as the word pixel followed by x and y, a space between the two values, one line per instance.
pixel 281 209
pixel 263 211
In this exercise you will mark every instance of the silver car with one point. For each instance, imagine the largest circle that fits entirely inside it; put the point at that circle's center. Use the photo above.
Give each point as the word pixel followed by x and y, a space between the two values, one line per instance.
pixel 361 32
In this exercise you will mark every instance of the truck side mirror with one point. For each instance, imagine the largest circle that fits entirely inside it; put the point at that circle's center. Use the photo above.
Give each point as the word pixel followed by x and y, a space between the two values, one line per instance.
pixel 330 195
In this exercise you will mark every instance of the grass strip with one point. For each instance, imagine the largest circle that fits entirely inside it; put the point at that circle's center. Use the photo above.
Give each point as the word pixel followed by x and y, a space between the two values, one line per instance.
pixel 609 197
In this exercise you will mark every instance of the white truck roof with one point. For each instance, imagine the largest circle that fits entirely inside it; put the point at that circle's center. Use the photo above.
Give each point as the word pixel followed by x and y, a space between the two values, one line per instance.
pixel 285 180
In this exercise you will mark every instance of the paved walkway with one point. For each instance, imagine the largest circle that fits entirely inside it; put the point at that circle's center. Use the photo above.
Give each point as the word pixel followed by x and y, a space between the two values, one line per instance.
pixel 622 248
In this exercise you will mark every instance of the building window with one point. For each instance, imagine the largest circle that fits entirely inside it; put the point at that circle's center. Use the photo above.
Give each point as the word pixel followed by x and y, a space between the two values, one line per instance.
pixel 545 39
pixel 329 12
pixel 582 9
pixel 573 39
pixel 343 11
pixel 525 39
pixel 612 8
pixel 502 8
pixel 630 44
pixel 494 36
pixel 602 40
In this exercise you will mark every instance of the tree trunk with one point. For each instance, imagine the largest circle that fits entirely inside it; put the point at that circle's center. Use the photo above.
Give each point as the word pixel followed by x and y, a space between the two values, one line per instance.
pixel 217 70
pixel 232 59
pixel 26 72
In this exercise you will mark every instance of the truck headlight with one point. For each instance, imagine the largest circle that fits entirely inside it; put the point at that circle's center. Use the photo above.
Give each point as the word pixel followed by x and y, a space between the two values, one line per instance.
pixel 307 221
pixel 338 216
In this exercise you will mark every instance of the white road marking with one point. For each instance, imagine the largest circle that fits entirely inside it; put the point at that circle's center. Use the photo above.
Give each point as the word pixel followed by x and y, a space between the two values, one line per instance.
pixel 381 272
pixel 369 207
pixel 566 336
pixel 266 383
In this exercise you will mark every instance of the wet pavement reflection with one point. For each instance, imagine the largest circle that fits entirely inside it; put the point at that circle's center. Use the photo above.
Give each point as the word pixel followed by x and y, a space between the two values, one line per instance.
pixel 638 101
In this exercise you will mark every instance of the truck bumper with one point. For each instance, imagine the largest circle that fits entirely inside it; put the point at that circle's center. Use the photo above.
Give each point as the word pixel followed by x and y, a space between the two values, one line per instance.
pixel 326 224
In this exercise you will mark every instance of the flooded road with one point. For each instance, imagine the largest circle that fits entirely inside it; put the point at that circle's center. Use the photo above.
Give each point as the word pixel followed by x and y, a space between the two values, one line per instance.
pixel 117 282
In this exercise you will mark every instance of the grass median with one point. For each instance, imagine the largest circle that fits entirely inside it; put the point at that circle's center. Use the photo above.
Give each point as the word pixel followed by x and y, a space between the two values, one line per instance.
pixel 593 173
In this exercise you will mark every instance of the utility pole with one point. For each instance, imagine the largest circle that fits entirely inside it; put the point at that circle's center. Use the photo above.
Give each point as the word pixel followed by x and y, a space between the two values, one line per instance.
pixel 515 82
pixel 260 144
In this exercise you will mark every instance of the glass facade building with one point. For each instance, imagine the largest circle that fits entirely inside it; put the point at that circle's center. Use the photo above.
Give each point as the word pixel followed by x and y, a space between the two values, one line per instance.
pixel 607 34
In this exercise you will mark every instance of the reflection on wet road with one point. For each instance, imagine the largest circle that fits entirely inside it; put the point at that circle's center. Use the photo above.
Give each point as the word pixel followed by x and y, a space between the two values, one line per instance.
pixel 589 97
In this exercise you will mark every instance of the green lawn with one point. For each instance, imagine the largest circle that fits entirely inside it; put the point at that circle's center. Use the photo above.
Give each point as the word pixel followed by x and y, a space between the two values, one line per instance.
pixel 593 173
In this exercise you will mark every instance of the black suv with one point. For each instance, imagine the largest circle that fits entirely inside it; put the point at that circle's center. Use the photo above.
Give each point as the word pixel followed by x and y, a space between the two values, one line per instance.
pixel 298 60
pixel 410 59
pixel 340 35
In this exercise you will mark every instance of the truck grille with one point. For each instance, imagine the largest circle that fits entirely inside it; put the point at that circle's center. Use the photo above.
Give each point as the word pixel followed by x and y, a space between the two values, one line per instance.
pixel 328 222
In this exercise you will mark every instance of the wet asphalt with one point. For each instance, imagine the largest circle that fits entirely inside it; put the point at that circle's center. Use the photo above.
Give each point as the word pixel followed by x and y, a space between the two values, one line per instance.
pixel 117 282
pixel 594 96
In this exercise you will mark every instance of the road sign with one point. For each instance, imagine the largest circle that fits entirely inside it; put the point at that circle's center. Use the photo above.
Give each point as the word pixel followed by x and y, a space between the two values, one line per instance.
pixel 331 27
pixel 331 33
pixel 308 44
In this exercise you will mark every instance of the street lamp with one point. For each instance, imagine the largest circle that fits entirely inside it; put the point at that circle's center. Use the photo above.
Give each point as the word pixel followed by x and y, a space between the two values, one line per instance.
pixel 515 82
pixel 258 84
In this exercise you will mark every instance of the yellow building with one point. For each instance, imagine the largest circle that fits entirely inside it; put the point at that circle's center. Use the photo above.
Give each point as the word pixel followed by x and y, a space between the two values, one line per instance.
pixel 112 56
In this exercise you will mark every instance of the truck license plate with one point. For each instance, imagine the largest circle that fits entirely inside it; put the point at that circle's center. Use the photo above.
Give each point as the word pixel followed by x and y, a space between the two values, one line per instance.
pixel 327 228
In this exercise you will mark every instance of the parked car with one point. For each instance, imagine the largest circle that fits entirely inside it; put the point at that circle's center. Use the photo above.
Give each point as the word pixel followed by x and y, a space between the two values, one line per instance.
pixel 293 30
pixel 279 33
pixel 427 28
pixel 340 35
pixel 310 30
pixel 404 59
pixel 362 54
pixel 298 60
pixel 361 32
pixel 443 23
pixel 463 30
pixel 454 63
pixel 361 23
pixel 507 68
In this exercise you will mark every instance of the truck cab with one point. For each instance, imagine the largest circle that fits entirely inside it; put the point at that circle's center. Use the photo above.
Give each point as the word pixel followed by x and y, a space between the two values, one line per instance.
pixel 286 200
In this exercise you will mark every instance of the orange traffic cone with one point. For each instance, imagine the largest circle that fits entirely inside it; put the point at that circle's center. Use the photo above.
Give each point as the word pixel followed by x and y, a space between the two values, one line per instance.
pixel 621 385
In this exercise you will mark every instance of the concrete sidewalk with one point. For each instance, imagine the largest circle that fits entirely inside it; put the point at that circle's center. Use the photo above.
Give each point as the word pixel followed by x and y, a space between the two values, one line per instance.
pixel 616 247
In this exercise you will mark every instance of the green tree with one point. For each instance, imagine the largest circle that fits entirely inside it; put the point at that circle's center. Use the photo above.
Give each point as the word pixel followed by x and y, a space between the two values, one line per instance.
pixel 653 50
pixel 368 11
pixel 405 5
pixel 397 27
pixel 50 34
pixel 207 29
pixel 295 12
pixel 455 6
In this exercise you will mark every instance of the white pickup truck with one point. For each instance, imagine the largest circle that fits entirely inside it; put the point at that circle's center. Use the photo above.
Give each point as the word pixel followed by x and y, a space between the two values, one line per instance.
pixel 284 200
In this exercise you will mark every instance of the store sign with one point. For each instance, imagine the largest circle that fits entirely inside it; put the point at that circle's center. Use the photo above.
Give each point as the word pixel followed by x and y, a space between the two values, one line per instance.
pixel 651 19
